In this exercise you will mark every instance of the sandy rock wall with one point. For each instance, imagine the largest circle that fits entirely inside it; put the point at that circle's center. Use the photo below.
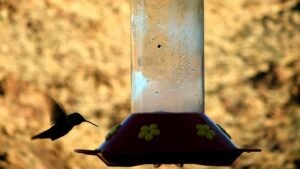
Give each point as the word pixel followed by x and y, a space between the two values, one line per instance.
pixel 79 53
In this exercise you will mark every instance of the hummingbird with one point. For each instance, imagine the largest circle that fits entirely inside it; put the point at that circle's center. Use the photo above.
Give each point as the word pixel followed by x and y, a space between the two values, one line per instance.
pixel 62 123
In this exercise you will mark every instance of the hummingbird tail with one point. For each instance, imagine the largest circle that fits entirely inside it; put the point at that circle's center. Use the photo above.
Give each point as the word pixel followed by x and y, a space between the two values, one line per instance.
pixel 37 137
pixel 40 136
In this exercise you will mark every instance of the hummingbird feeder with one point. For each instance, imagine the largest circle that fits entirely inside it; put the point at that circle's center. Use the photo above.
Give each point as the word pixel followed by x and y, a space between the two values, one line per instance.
pixel 167 124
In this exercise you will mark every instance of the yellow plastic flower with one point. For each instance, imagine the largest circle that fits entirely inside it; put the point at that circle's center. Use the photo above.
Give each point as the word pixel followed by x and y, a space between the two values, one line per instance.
pixel 205 131
pixel 113 131
pixel 148 132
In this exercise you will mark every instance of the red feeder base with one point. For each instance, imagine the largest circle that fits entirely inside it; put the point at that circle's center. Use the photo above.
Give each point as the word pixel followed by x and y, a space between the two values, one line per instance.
pixel 167 138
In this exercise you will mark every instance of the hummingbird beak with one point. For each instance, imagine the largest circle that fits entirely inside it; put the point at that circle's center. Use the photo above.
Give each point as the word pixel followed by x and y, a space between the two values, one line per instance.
pixel 92 123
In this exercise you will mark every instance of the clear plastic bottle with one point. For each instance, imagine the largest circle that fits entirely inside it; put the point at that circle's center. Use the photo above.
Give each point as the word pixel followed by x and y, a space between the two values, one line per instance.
pixel 167 56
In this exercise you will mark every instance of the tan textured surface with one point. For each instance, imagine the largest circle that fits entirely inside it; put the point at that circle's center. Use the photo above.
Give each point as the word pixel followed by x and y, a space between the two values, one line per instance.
pixel 79 53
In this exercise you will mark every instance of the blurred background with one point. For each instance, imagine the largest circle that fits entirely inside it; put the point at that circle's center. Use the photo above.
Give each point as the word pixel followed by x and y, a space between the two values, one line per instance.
pixel 78 52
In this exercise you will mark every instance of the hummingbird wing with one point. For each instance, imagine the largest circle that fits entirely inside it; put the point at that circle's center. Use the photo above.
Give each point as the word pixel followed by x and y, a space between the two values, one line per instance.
pixel 58 114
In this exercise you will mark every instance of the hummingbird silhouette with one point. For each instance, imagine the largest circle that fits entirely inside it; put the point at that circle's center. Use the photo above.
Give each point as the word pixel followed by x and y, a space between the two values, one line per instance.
pixel 62 123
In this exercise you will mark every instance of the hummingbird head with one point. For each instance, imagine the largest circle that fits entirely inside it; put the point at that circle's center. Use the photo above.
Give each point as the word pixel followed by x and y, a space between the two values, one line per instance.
pixel 76 119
